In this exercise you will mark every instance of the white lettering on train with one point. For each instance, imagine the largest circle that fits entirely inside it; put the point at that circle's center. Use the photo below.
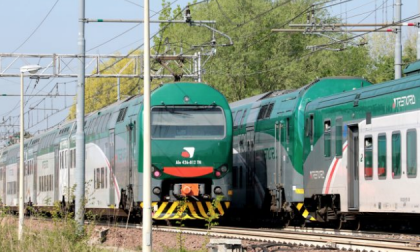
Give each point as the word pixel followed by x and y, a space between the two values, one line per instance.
pixel 404 101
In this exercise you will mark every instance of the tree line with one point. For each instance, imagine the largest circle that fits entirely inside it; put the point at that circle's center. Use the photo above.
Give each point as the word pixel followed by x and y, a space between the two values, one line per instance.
pixel 259 60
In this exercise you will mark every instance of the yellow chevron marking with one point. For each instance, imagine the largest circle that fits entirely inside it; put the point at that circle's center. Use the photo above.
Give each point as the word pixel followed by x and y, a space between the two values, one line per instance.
pixel 299 206
pixel 170 211
pixel 305 213
pixel 220 208
pixel 160 210
pixel 210 208
pixel 180 212
pixel 312 219
pixel 193 212
pixel 201 209
pixel 227 204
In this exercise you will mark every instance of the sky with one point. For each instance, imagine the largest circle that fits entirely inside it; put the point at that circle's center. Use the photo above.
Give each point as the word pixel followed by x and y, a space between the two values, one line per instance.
pixel 51 26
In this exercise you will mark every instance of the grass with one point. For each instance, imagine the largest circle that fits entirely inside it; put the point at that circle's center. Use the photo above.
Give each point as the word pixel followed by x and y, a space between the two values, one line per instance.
pixel 42 236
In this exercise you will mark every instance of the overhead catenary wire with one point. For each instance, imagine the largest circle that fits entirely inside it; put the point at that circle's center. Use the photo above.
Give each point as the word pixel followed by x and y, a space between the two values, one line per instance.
pixel 36 29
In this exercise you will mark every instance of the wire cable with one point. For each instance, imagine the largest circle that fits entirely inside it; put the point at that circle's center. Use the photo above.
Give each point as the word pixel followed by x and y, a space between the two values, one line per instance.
pixel 36 29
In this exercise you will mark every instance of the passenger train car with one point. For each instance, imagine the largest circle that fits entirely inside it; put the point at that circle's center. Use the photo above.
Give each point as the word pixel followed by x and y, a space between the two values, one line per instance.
pixel 268 147
pixel 361 152
pixel 191 131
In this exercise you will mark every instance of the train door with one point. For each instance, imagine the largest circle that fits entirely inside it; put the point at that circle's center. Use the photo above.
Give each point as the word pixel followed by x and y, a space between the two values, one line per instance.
pixel 131 182
pixel 279 132
pixel 111 155
pixel 56 171
pixel 250 164
pixel 35 184
pixel 353 167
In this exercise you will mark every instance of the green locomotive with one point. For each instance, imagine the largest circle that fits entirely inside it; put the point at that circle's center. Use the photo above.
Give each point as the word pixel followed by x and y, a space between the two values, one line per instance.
pixel 191 131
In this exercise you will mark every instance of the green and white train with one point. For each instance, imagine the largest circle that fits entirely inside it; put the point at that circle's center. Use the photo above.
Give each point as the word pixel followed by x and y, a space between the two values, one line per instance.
pixel 268 148
pixel 191 130
pixel 361 152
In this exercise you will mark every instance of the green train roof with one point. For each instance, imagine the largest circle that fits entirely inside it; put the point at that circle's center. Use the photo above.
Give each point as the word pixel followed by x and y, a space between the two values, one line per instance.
pixel 412 68
pixel 409 82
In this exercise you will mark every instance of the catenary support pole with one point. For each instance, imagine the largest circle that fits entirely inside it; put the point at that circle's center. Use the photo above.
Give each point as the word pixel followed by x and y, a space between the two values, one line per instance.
pixel 199 67
pixel 398 46
pixel 147 162
pixel 80 134
pixel 118 88
pixel 21 168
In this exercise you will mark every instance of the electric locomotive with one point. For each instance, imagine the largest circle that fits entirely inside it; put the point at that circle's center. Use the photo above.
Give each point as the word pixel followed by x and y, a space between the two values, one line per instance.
pixel 268 148
pixel 361 152
pixel 191 133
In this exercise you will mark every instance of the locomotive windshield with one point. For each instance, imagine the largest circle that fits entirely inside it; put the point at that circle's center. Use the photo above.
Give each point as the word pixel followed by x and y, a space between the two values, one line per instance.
pixel 188 122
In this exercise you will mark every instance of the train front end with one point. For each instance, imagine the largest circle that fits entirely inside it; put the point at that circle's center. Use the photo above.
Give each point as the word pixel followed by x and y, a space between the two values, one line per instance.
pixel 191 131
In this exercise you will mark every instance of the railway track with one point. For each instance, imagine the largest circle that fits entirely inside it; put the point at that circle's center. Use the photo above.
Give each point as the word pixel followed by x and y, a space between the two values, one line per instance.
pixel 296 237
pixel 306 238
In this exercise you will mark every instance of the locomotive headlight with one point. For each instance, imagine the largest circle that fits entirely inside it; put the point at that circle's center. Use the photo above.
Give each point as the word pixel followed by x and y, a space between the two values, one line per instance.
pixel 156 190
pixel 186 99
pixel 217 190
pixel 218 173
pixel 223 169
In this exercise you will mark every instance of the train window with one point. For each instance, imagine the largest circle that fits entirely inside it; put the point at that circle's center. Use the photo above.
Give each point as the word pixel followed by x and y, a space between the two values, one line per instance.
pixel 327 138
pixel 382 156
pixel 368 157
pixel 311 127
pixel 243 117
pixel 411 153
pixel 106 177
pixel 396 154
pixel 261 114
pixel 237 118
pixel 339 137
pixel 102 177
pixel 121 114
pixel 270 108
pixel 188 122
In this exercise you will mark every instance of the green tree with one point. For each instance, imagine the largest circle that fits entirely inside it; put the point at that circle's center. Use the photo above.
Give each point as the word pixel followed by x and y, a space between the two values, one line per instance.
pixel 260 60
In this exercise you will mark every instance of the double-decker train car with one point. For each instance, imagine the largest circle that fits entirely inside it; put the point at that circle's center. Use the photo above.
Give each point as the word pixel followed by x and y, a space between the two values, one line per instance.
pixel 268 147
pixel 361 152
pixel 191 131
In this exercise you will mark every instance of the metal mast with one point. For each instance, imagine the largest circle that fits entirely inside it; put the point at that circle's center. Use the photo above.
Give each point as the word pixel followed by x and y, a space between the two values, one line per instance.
pixel 147 162
pixel 80 134
pixel 398 46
